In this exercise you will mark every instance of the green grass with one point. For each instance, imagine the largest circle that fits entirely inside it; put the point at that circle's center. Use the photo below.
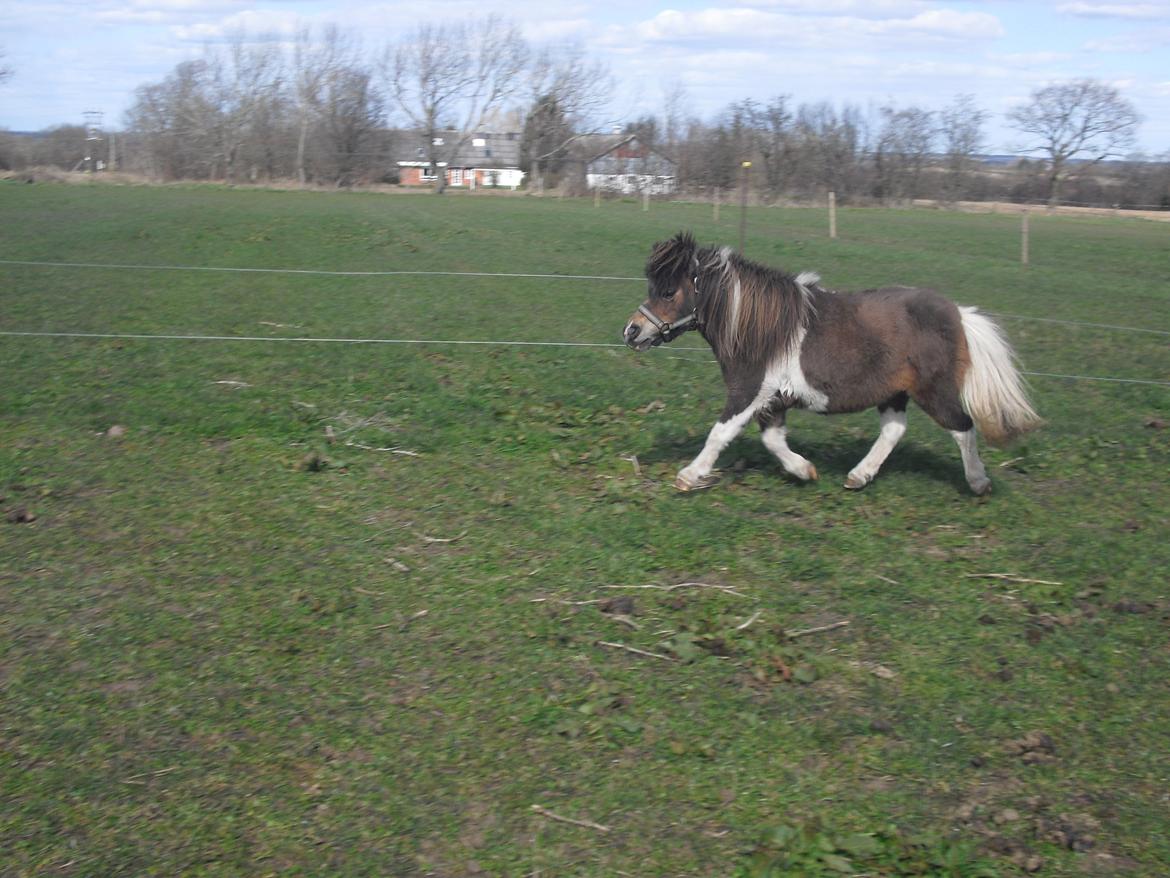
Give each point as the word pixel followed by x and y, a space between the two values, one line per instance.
pixel 229 646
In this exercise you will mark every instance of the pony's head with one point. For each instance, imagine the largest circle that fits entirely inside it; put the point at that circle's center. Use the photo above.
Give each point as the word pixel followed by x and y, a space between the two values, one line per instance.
pixel 672 300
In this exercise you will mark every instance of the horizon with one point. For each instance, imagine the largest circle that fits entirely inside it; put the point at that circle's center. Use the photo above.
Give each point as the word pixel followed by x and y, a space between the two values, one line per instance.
pixel 69 57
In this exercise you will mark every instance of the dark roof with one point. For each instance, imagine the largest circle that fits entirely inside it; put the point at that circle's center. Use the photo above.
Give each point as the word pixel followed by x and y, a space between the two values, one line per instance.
pixel 482 150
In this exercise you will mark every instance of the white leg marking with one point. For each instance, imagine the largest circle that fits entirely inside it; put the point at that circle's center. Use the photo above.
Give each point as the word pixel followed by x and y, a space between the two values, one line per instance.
pixel 893 427
pixel 784 377
pixel 719 438
pixel 972 464
pixel 776 441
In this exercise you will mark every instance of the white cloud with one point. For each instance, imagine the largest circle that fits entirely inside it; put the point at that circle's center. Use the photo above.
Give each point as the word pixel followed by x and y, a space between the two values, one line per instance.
pixel 948 24
pixel 1136 42
pixel 254 23
pixel 851 8
pixel 1031 59
pixel 556 30
pixel 670 24
pixel 754 25
pixel 1142 11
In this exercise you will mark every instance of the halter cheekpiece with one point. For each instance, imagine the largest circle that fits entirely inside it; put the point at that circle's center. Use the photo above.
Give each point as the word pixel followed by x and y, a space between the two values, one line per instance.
pixel 670 331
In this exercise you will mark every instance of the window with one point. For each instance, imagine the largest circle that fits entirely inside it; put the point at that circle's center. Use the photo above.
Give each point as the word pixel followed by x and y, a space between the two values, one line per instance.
pixel 478 141
pixel 427 173
pixel 438 141
pixel 456 176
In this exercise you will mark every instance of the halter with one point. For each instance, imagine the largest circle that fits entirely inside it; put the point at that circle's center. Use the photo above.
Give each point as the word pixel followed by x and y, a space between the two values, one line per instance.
pixel 670 331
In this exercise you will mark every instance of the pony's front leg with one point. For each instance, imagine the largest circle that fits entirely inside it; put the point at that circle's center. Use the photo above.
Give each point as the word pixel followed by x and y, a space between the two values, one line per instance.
pixel 738 411
pixel 775 436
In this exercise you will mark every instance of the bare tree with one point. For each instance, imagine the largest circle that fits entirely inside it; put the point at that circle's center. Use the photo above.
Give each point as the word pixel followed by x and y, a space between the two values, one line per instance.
pixel 566 91
pixel 960 128
pixel 1084 120
pixel 242 81
pixel 828 145
pixel 769 133
pixel 313 64
pixel 175 121
pixel 5 70
pixel 450 77
pixel 902 149
pixel 352 114
pixel 674 107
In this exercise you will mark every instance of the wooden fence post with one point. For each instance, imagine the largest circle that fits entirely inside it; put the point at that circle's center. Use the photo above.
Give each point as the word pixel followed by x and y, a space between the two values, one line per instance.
pixel 746 168
pixel 833 215
pixel 1024 237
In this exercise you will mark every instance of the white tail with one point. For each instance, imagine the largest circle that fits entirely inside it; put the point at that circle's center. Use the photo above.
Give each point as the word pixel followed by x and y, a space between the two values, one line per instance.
pixel 993 391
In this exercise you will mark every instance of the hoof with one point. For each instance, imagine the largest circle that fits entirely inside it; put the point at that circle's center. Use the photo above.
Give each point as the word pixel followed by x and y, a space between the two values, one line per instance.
pixel 810 474
pixel 687 485
pixel 856 483
pixel 981 488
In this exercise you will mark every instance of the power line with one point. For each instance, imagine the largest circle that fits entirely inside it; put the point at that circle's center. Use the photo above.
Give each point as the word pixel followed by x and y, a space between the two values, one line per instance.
pixel 1078 323
pixel 314 271
pixel 316 339
pixel 446 341
pixel 488 274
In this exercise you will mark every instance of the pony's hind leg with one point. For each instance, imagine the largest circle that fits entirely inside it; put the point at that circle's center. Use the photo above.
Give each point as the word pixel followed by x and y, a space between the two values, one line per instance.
pixel 972 464
pixel 893 415
pixel 944 405
pixel 775 436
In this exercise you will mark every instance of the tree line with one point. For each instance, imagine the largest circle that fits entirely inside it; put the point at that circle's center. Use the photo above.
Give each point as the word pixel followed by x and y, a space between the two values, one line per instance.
pixel 1083 132
pixel 321 109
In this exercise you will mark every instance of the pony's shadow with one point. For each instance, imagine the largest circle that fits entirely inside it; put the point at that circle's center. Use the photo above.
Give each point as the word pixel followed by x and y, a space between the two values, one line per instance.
pixel 833 460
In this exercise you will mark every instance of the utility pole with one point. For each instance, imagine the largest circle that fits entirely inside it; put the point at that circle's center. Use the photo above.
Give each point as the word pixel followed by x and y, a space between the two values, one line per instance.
pixel 745 170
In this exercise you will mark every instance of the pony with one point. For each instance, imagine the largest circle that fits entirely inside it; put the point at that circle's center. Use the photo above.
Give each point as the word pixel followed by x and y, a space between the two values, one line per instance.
pixel 785 342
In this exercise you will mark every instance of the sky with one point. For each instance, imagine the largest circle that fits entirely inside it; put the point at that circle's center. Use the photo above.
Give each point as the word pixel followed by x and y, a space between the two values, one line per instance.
pixel 68 57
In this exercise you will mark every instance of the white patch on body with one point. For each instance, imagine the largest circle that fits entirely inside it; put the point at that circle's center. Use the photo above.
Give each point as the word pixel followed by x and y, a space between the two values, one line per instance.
pixel 785 377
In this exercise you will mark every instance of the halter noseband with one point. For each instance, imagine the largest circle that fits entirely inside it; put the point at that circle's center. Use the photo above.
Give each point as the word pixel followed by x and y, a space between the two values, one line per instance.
pixel 670 331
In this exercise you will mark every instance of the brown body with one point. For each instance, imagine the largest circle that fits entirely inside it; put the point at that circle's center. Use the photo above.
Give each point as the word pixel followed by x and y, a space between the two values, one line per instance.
pixel 862 349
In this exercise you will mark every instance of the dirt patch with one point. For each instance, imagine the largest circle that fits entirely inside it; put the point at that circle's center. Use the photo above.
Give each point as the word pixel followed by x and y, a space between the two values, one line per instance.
pixel 1033 748
pixel 1011 207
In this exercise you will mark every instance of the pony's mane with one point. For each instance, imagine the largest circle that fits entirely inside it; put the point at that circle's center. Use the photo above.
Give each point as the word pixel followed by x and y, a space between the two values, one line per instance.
pixel 749 311
pixel 670 261
pixel 752 311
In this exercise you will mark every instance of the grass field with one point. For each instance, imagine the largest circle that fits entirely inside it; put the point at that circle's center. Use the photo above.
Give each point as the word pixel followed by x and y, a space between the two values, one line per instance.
pixel 236 638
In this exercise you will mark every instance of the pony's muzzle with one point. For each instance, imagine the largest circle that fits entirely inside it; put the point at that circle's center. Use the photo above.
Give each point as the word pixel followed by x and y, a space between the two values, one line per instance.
pixel 636 335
